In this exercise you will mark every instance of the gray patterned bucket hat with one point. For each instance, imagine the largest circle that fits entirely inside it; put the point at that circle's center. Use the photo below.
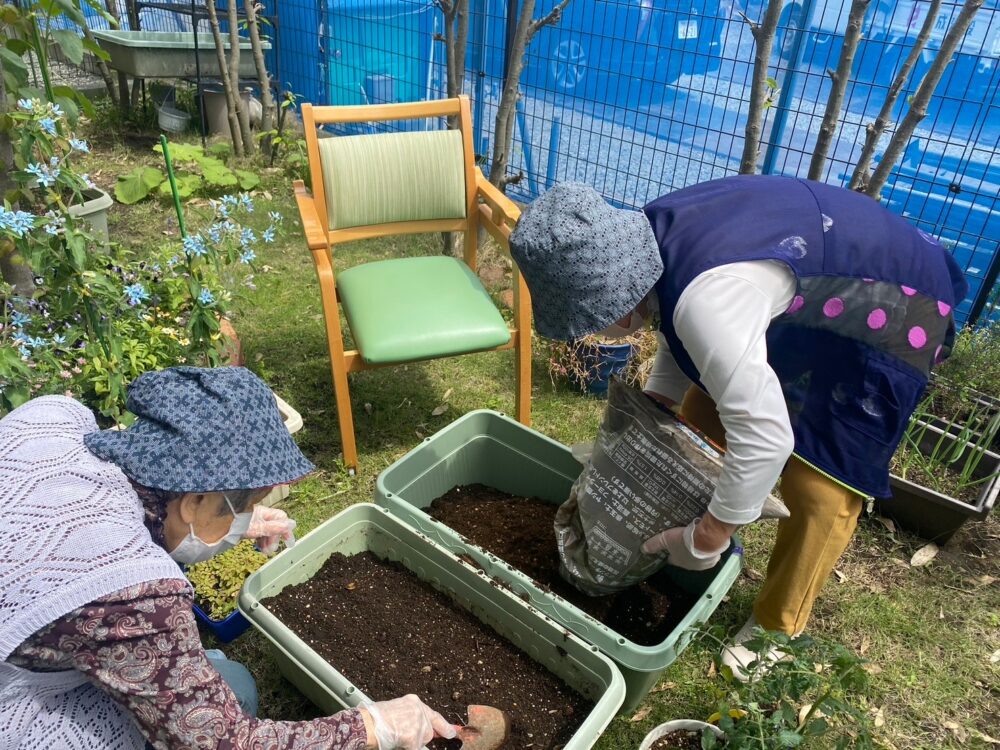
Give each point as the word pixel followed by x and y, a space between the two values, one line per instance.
pixel 586 263
pixel 202 430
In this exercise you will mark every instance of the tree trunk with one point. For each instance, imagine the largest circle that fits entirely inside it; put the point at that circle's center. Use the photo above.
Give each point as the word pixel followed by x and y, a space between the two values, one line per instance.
pixel 13 268
pixel 918 106
pixel 874 130
pixel 232 96
pixel 503 139
pixel 841 77
pixel 103 68
pixel 234 76
pixel 763 36
pixel 266 100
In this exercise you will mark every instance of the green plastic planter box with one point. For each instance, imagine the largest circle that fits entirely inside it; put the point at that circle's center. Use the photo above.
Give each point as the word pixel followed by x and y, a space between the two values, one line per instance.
pixel 489 448
pixel 169 54
pixel 367 527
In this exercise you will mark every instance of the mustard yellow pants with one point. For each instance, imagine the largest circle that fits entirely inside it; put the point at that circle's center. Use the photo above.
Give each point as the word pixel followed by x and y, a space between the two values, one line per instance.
pixel 823 516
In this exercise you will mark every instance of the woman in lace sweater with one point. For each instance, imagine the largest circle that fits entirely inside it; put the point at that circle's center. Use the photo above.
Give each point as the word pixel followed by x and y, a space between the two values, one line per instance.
pixel 98 645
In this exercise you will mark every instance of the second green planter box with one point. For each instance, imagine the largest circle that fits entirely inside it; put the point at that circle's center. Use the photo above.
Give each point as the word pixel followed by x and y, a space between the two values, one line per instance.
pixel 486 447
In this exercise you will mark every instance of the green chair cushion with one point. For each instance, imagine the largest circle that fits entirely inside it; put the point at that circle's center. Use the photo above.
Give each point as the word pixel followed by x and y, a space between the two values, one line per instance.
pixel 418 308
pixel 390 177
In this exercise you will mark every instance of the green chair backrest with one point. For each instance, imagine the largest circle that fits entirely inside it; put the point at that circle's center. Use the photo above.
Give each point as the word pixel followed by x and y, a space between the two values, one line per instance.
pixel 392 177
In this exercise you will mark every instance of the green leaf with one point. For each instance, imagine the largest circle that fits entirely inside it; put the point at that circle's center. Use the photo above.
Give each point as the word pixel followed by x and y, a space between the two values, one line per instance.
pixel 248 180
pixel 788 738
pixel 69 105
pixel 220 176
pixel 71 44
pixel 7 57
pixel 817 727
pixel 221 150
pixel 17 46
pixel 182 151
pixel 187 185
pixel 136 185
pixel 71 10
pixel 96 50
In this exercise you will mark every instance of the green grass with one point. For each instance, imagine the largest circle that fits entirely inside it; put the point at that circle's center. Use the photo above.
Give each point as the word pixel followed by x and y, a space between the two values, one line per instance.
pixel 928 632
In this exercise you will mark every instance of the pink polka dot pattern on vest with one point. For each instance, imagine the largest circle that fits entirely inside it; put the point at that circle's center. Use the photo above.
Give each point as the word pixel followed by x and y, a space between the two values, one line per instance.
pixel 917 337
pixel 833 307
pixel 944 308
pixel 796 305
pixel 877 319
pixel 909 291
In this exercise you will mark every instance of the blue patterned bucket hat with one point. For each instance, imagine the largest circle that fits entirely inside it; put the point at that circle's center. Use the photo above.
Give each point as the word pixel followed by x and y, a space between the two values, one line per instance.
pixel 586 263
pixel 202 430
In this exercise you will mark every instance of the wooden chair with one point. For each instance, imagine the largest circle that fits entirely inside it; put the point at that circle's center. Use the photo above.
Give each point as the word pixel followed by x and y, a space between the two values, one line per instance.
pixel 406 309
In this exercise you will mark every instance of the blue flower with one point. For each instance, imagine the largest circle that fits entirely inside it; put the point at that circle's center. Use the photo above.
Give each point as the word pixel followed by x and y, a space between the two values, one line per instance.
pixel 37 343
pixel 88 182
pixel 246 202
pixel 57 110
pixel 59 339
pixel 248 256
pixel 268 235
pixel 215 232
pixel 79 145
pixel 275 217
pixel 229 201
pixel 35 169
pixel 173 261
pixel 54 161
pixel 247 237
pixel 48 125
pixel 195 245
pixel 19 319
pixel 136 293
pixel 206 297
pixel 26 104
pixel 17 223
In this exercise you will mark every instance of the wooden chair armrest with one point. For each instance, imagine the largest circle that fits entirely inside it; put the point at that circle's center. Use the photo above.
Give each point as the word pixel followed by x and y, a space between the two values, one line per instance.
pixel 504 209
pixel 315 236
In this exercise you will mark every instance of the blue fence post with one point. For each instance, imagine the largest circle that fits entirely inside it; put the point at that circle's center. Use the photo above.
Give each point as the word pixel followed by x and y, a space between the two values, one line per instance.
pixel 529 159
pixel 553 162
pixel 479 11
pixel 777 134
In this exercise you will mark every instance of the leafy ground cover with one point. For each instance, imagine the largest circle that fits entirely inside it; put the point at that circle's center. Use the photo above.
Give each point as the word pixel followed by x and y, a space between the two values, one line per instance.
pixel 931 633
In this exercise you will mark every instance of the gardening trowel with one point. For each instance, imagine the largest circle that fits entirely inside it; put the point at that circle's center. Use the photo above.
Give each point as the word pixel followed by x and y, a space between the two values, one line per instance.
pixel 486 730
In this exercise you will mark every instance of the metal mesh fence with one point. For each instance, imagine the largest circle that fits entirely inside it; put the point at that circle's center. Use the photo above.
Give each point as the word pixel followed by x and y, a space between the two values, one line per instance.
pixel 640 97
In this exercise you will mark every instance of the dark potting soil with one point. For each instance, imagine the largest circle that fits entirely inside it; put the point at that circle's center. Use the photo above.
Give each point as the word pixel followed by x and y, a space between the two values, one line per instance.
pixel 519 531
pixel 682 739
pixel 391 634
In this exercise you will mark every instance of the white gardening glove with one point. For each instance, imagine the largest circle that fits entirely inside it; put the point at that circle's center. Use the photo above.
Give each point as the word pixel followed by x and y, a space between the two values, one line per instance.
pixel 269 526
pixel 406 723
pixel 678 543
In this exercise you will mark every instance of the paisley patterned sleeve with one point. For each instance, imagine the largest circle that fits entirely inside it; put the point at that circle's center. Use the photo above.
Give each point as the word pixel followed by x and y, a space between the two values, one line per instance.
pixel 141 644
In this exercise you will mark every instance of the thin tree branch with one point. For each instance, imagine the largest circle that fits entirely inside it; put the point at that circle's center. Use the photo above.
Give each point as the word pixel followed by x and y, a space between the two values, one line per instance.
pixel 232 96
pixel 553 16
pixel 234 76
pixel 841 77
pixel 763 35
pixel 874 130
pixel 264 79
pixel 918 107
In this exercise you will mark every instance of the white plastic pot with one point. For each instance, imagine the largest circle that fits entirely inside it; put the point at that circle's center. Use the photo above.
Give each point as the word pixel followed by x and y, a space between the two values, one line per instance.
pixel 95 210
pixel 675 726
pixel 293 423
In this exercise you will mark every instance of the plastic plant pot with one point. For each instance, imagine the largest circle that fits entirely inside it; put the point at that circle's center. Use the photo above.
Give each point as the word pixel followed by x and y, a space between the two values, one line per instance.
pixel 228 628
pixel 486 447
pixel 172 119
pixel 935 515
pixel 94 209
pixel 678 725
pixel 366 527
pixel 601 362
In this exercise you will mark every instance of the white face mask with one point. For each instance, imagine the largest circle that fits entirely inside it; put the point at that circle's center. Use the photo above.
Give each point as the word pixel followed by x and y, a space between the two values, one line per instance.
pixel 193 549
pixel 635 322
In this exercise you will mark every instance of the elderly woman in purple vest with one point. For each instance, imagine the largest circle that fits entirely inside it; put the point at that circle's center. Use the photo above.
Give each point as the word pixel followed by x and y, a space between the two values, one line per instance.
pixel 98 645
pixel 797 325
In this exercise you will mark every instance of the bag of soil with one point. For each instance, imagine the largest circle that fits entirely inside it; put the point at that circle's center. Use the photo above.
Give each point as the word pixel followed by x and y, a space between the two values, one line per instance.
pixel 647 471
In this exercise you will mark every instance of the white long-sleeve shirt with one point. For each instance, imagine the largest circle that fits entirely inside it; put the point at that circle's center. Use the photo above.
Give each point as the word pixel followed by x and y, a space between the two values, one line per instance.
pixel 721 318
